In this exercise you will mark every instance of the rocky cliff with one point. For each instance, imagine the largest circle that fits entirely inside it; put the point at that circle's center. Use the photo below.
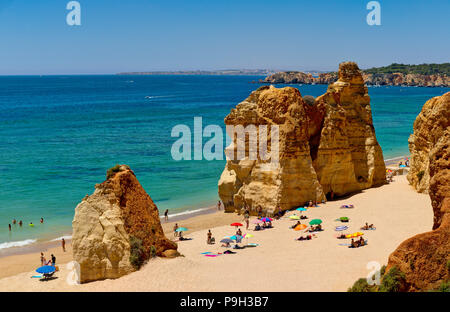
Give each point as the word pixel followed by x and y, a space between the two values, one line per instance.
pixel 425 258
pixel 106 221
pixel 429 128
pixel 394 79
pixel 327 146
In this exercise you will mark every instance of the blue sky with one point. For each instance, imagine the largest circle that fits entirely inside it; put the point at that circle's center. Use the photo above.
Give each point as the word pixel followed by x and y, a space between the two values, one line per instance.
pixel 145 35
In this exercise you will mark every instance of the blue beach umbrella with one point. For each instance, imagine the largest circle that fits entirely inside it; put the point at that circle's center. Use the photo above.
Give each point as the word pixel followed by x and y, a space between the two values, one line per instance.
pixel 46 269
pixel 181 229
pixel 301 209
pixel 236 237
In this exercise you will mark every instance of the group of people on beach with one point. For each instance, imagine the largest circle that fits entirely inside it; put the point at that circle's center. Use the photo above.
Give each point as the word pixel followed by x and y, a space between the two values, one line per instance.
pixel 14 222
pixel 358 243
pixel 51 262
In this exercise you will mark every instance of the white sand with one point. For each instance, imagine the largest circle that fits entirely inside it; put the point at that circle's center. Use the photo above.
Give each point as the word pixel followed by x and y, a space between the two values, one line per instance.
pixel 280 263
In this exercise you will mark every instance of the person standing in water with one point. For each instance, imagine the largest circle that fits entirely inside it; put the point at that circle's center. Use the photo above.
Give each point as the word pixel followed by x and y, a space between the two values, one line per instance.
pixel 9 226
pixel 63 244
pixel 42 220
pixel 166 215
pixel 20 223
pixel 14 221
pixel 218 205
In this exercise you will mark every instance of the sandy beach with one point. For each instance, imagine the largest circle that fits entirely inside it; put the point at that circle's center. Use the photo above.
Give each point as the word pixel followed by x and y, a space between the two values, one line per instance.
pixel 320 264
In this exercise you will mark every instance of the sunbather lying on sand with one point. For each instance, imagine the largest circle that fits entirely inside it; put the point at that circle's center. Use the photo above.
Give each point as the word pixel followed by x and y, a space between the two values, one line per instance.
pixel 303 217
pixel 347 206
pixel 307 237
pixel 316 228
pixel 227 245
pixel 368 227
pixel 295 225
pixel 257 227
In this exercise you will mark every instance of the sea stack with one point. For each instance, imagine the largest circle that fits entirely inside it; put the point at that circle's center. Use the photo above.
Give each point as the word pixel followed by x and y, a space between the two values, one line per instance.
pixel 327 147
pixel 108 223
pixel 429 128
pixel 425 258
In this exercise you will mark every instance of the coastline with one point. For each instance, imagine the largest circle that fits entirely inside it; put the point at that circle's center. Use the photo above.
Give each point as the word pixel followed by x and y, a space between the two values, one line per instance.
pixel 395 208
pixel 53 242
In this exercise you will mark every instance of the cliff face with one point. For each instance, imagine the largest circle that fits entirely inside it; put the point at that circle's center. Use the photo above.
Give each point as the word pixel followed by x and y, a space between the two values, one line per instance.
pixel 425 258
pixel 104 222
pixel 429 127
pixel 394 79
pixel 325 146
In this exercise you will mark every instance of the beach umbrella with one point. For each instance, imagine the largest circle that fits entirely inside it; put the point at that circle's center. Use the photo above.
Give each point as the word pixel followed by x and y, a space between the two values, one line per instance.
pixel 315 221
pixel 354 235
pixel 257 221
pixel 266 219
pixel 236 237
pixel 226 240
pixel 300 227
pixel 236 224
pixel 181 229
pixel 46 269
pixel 246 235
pixel 301 209
pixel 294 217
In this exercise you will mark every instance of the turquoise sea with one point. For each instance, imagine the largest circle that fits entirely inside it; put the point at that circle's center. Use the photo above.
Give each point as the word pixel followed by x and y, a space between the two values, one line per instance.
pixel 59 135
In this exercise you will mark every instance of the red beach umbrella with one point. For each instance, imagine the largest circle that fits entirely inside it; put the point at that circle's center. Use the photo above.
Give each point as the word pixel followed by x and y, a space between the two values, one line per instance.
pixel 236 224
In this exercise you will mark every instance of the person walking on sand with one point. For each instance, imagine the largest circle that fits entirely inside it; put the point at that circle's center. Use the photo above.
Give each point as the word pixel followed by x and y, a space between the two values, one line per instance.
pixel 63 244
pixel 175 227
pixel 209 236
pixel 53 260
pixel 218 205
pixel 246 218
pixel 166 215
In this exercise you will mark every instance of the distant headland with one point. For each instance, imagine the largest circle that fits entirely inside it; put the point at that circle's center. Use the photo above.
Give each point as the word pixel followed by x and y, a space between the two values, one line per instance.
pixel 424 75
pixel 224 72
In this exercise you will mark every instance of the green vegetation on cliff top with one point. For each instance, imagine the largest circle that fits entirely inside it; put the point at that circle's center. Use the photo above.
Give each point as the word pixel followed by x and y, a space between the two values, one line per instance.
pixel 422 69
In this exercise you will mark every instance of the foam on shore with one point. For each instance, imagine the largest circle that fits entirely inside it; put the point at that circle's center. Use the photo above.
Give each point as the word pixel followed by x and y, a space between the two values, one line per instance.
pixel 17 243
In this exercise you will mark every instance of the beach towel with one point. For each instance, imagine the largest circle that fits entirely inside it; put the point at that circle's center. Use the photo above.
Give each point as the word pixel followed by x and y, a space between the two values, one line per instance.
pixel 205 253
pixel 211 255
pixel 371 229
pixel 252 244
pixel 36 276
pixel 341 228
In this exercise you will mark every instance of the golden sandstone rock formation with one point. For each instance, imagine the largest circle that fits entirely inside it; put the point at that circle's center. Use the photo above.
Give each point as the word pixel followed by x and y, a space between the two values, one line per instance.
pixel 105 221
pixel 425 258
pixel 327 147
pixel 429 127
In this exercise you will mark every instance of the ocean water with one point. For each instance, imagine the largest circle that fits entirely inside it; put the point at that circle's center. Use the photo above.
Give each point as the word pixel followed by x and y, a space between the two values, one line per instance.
pixel 59 135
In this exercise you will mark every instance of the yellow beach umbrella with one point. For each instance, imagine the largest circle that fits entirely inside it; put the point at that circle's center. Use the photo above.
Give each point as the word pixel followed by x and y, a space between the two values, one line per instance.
pixel 294 217
pixel 356 234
